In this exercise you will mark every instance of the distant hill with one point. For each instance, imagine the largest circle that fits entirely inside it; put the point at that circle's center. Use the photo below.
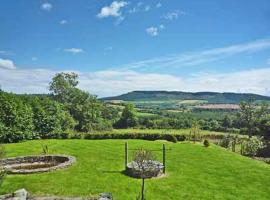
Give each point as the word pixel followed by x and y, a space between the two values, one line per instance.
pixel 210 97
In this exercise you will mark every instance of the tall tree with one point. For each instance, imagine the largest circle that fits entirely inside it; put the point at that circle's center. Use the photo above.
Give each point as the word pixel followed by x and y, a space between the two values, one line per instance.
pixel 128 117
pixel 250 115
pixel 85 108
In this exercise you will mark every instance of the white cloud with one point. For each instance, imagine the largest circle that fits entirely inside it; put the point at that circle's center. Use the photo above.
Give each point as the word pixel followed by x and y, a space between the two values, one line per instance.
pixel 159 5
pixel 7 64
pixel 152 31
pixel 173 15
pixel 46 6
pixel 139 7
pixel 63 22
pixel 114 10
pixel 114 82
pixel 205 56
pixel 74 50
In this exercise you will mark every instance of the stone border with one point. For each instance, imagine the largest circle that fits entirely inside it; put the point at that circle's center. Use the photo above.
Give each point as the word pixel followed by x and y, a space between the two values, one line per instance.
pixel 61 161
pixel 156 170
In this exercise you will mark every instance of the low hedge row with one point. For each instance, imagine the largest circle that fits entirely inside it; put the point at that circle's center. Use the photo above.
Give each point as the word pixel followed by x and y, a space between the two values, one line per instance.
pixel 141 136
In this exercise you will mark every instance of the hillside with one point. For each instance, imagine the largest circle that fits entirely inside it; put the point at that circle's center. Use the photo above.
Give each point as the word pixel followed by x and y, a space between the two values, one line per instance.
pixel 210 97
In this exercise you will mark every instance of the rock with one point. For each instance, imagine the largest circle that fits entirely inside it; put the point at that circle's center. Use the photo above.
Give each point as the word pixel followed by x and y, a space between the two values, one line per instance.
pixel 20 194
pixel 105 196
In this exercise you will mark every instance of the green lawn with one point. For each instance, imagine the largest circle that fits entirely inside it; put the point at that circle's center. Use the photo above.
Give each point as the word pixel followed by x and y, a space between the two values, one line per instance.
pixel 194 172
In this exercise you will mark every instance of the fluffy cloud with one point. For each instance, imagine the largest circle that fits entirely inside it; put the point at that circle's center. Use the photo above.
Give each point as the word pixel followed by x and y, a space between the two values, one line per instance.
pixel 154 31
pixel 74 50
pixel 46 6
pixel 173 15
pixel 114 82
pixel 7 64
pixel 114 10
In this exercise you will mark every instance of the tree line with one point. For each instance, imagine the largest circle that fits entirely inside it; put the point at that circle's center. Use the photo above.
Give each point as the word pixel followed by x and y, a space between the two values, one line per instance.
pixel 67 109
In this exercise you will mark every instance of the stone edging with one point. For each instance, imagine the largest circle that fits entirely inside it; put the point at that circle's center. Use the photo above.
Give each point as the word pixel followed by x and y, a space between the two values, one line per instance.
pixel 60 161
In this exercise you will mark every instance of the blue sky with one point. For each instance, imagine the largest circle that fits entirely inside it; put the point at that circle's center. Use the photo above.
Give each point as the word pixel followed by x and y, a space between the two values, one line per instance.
pixel 119 46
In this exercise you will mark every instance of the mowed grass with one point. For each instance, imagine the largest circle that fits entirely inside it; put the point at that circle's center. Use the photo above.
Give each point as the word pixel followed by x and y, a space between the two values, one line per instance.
pixel 193 172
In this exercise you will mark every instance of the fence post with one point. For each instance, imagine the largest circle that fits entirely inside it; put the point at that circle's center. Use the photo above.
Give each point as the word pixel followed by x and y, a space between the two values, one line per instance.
pixel 126 155
pixel 164 159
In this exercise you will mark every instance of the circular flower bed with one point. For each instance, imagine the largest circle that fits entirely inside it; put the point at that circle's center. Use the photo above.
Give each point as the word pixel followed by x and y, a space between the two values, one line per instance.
pixel 148 169
pixel 36 164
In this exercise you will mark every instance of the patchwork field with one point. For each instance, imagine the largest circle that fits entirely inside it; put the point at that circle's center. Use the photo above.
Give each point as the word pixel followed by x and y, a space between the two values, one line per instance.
pixel 194 172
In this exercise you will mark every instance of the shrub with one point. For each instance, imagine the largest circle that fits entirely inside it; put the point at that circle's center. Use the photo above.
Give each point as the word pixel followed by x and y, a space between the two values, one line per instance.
pixel 225 141
pixel 251 146
pixel 206 143
pixel 63 135
pixel 171 138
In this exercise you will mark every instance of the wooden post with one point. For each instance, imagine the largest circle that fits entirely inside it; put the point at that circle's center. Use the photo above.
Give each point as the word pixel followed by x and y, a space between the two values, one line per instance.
pixel 126 155
pixel 164 159
pixel 241 151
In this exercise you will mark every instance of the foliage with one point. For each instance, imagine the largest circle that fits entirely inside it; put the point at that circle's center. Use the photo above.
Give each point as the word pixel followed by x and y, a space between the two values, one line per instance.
pixel 128 118
pixel 45 149
pixel 85 108
pixel 225 141
pixel 250 116
pixel 195 132
pixel 251 146
pixel 206 143
pixel 171 138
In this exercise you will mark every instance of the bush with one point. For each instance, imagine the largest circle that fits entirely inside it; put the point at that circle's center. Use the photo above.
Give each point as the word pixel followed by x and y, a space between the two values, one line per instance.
pixel 206 143
pixel 171 138
pixel 225 141
pixel 251 146
pixel 141 136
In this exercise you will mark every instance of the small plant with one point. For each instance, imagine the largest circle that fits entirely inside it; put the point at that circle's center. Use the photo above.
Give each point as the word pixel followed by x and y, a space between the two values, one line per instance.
pixel 141 157
pixel 45 149
pixel 206 143
pixel 195 132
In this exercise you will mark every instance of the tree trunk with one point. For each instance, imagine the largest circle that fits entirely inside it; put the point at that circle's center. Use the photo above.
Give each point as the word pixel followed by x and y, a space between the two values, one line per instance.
pixel 142 189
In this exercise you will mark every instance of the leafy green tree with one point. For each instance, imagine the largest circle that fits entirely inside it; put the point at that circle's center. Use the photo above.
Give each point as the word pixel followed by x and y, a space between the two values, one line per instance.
pixel 85 108
pixel 61 85
pixel 226 122
pixel 250 115
pixel 16 119
pixel 128 118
